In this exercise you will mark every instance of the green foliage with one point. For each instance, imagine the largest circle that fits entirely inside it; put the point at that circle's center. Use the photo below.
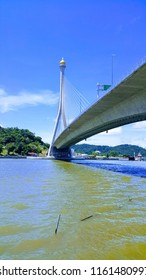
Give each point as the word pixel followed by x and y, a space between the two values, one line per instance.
pixel 20 142
pixel 114 153
pixel 111 151
pixel 89 149
pixel 10 148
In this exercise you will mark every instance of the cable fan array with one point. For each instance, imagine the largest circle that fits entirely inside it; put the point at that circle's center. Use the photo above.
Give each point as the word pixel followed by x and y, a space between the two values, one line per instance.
pixel 73 105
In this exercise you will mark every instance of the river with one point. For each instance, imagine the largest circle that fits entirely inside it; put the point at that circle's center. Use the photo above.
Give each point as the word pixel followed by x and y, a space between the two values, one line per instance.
pixel 33 193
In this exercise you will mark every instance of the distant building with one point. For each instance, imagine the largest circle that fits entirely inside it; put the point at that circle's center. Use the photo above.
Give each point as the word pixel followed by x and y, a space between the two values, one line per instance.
pixel 98 152
pixel 139 157
pixel 32 154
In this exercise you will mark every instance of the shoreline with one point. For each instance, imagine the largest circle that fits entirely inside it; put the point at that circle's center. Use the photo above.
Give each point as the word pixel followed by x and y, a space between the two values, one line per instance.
pixel 73 158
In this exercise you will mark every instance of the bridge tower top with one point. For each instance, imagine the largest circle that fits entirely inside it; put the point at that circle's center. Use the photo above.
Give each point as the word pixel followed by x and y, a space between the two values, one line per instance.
pixel 62 63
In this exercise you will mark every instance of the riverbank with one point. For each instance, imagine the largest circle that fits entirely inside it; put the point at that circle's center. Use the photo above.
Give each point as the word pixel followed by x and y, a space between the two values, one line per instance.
pixel 13 157
pixel 25 157
pixel 75 158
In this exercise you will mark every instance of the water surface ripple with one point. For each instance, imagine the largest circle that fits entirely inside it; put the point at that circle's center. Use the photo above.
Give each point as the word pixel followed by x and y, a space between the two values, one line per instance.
pixel 34 193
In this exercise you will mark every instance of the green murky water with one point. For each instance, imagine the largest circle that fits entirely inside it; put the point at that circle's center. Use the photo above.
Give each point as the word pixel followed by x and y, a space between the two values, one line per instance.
pixel 33 193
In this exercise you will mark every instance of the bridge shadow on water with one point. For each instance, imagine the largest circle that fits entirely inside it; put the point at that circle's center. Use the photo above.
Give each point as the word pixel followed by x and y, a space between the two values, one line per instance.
pixel 126 168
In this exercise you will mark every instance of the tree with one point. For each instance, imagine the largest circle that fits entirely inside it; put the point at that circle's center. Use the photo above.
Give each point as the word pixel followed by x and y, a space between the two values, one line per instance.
pixel 10 148
pixel 21 149
pixel 32 147
pixel 15 140
pixel 114 154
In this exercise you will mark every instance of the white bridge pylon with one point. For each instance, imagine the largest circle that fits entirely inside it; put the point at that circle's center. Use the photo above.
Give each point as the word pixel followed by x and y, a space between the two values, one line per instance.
pixel 71 104
pixel 61 110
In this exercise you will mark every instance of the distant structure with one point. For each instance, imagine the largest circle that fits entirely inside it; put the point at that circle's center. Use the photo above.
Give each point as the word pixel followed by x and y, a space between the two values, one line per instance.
pixel 61 118
pixel 139 157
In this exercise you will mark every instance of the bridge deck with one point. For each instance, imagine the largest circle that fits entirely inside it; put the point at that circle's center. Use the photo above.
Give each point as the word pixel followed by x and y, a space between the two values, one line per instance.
pixel 124 104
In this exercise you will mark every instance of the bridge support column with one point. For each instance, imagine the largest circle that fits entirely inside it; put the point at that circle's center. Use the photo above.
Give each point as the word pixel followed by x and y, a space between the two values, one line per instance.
pixel 62 154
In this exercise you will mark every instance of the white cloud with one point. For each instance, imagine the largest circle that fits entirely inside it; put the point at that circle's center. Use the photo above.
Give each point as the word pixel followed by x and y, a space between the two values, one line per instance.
pixel 2 92
pixel 140 125
pixel 25 98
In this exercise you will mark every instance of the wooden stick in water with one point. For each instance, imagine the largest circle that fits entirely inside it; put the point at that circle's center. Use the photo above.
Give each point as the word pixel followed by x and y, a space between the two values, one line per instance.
pixel 87 218
pixel 57 224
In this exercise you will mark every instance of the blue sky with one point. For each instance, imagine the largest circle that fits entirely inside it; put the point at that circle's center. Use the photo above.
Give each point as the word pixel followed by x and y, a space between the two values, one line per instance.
pixel 36 34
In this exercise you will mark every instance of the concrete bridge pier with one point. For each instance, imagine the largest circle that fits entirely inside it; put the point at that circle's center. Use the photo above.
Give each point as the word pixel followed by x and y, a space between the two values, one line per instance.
pixel 62 154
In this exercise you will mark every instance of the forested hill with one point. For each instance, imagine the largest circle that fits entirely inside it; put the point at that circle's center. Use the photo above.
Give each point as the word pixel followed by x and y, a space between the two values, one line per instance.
pixel 115 151
pixel 15 141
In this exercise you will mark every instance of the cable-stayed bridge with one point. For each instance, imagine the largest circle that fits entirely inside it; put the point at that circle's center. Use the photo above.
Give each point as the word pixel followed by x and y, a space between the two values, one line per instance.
pixel 78 120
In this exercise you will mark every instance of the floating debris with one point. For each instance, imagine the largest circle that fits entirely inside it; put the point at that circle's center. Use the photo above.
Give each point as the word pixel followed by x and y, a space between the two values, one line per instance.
pixel 57 224
pixel 87 218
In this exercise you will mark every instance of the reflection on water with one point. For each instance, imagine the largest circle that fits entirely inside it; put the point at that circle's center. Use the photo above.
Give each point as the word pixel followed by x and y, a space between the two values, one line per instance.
pixel 135 168
pixel 35 192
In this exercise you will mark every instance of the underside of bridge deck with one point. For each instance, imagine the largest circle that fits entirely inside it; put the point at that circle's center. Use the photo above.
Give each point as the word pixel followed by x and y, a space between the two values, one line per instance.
pixel 124 104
